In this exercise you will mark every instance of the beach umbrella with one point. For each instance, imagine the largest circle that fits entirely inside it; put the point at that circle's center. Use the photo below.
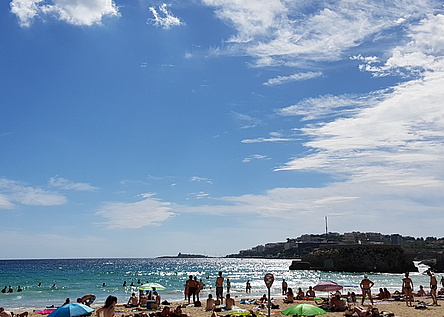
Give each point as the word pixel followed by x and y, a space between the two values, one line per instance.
pixel 304 310
pixel 151 287
pixel 71 310
pixel 327 287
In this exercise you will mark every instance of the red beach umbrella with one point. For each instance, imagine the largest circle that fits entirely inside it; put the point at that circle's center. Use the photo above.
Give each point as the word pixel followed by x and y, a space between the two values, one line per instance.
pixel 327 286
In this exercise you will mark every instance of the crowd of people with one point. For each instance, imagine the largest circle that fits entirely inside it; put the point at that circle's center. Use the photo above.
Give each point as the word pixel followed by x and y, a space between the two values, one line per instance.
pixel 336 302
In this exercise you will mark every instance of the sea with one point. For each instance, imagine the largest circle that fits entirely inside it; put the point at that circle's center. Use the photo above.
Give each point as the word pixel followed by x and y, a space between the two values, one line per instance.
pixel 48 282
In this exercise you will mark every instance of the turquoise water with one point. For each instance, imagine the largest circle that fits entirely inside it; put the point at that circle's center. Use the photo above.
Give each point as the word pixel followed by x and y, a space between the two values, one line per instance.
pixel 102 277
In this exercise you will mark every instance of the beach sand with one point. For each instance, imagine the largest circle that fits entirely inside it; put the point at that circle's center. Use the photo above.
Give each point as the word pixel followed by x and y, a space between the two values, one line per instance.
pixel 398 308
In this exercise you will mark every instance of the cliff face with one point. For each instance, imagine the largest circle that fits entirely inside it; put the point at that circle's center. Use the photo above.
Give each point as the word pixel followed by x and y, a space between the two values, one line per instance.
pixel 361 258
pixel 439 264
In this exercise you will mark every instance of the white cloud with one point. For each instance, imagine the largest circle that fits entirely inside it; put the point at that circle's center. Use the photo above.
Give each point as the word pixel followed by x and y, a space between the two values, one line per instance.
pixel 163 17
pixel 147 212
pixel 199 195
pixel 63 183
pixel 5 202
pixel 25 10
pixel 201 179
pixel 381 151
pixel 12 193
pixel 279 80
pixel 329 106
pixel 270 139
pixel 278 33
pixel 249 18
pixel 79 12
pixel 250 158
pixel 424 51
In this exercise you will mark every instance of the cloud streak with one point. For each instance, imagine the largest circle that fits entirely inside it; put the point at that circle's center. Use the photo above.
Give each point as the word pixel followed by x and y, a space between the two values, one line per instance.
pixel 279 80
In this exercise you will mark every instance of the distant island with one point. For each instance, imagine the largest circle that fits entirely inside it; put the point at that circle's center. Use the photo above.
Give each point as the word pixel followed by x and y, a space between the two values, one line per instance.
pixel 183 256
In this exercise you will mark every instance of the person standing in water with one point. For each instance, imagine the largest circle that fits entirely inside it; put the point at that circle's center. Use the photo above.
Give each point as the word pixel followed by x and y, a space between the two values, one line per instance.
pixel 220 288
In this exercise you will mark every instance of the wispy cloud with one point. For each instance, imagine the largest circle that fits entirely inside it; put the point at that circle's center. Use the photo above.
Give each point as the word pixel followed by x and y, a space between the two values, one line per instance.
pixel 63 183
pixel 250 158
pixel 245 121
pixel 382 151
pixel 274 137
pixel 279 80
pixel 201 179
pixel 163 17
pixel 199 195
pixel 149 211
pixel 331 106
pixel 13 193
pixel 276 33
pixel 80 12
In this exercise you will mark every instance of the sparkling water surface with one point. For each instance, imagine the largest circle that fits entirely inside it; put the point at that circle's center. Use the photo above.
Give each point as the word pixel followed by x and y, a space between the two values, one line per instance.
pixel 74 278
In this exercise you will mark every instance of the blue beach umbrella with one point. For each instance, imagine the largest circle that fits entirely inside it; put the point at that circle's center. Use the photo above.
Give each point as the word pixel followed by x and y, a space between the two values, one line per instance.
pixel 71 310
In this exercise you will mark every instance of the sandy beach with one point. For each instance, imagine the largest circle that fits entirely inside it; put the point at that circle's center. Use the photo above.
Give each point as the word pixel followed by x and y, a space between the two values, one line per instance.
pixel 398 308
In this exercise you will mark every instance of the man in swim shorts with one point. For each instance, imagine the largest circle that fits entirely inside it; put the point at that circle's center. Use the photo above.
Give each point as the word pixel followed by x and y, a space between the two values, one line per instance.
pixel 433 287
pixel 220 288
pixel 366 286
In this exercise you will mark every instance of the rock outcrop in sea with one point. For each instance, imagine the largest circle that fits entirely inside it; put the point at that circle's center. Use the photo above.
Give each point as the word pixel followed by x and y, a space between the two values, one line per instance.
pixel 361 258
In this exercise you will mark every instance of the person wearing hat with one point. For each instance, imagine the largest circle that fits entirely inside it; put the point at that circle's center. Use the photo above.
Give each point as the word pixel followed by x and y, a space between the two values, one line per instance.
pixel 366 286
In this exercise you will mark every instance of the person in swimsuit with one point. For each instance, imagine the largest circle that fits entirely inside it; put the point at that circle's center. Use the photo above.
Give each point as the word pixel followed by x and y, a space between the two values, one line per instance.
pixel 284 287
pixel 290 296
pixel 192 285
pixel 433 287
pixel 407 289
pixel 220 288
pixel 108 310
pixel 366 286
pixel 211 303
pixel 229 302
pixel 310 292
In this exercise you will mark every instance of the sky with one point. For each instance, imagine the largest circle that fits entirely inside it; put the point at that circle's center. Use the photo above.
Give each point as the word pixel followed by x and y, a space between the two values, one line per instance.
pixel 148 128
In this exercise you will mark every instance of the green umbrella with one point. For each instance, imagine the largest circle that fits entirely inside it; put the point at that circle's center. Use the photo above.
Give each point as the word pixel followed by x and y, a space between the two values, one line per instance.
pixel 304 310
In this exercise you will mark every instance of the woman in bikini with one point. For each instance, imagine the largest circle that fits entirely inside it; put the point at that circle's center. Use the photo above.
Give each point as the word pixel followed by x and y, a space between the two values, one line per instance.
pixel 407 289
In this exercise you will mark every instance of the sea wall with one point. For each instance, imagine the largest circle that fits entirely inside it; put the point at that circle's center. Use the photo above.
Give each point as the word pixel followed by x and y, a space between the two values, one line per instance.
pixel 361 258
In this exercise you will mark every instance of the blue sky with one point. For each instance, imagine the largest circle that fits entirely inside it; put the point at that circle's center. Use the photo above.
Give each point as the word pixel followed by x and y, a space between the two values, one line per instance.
pixel 147 128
